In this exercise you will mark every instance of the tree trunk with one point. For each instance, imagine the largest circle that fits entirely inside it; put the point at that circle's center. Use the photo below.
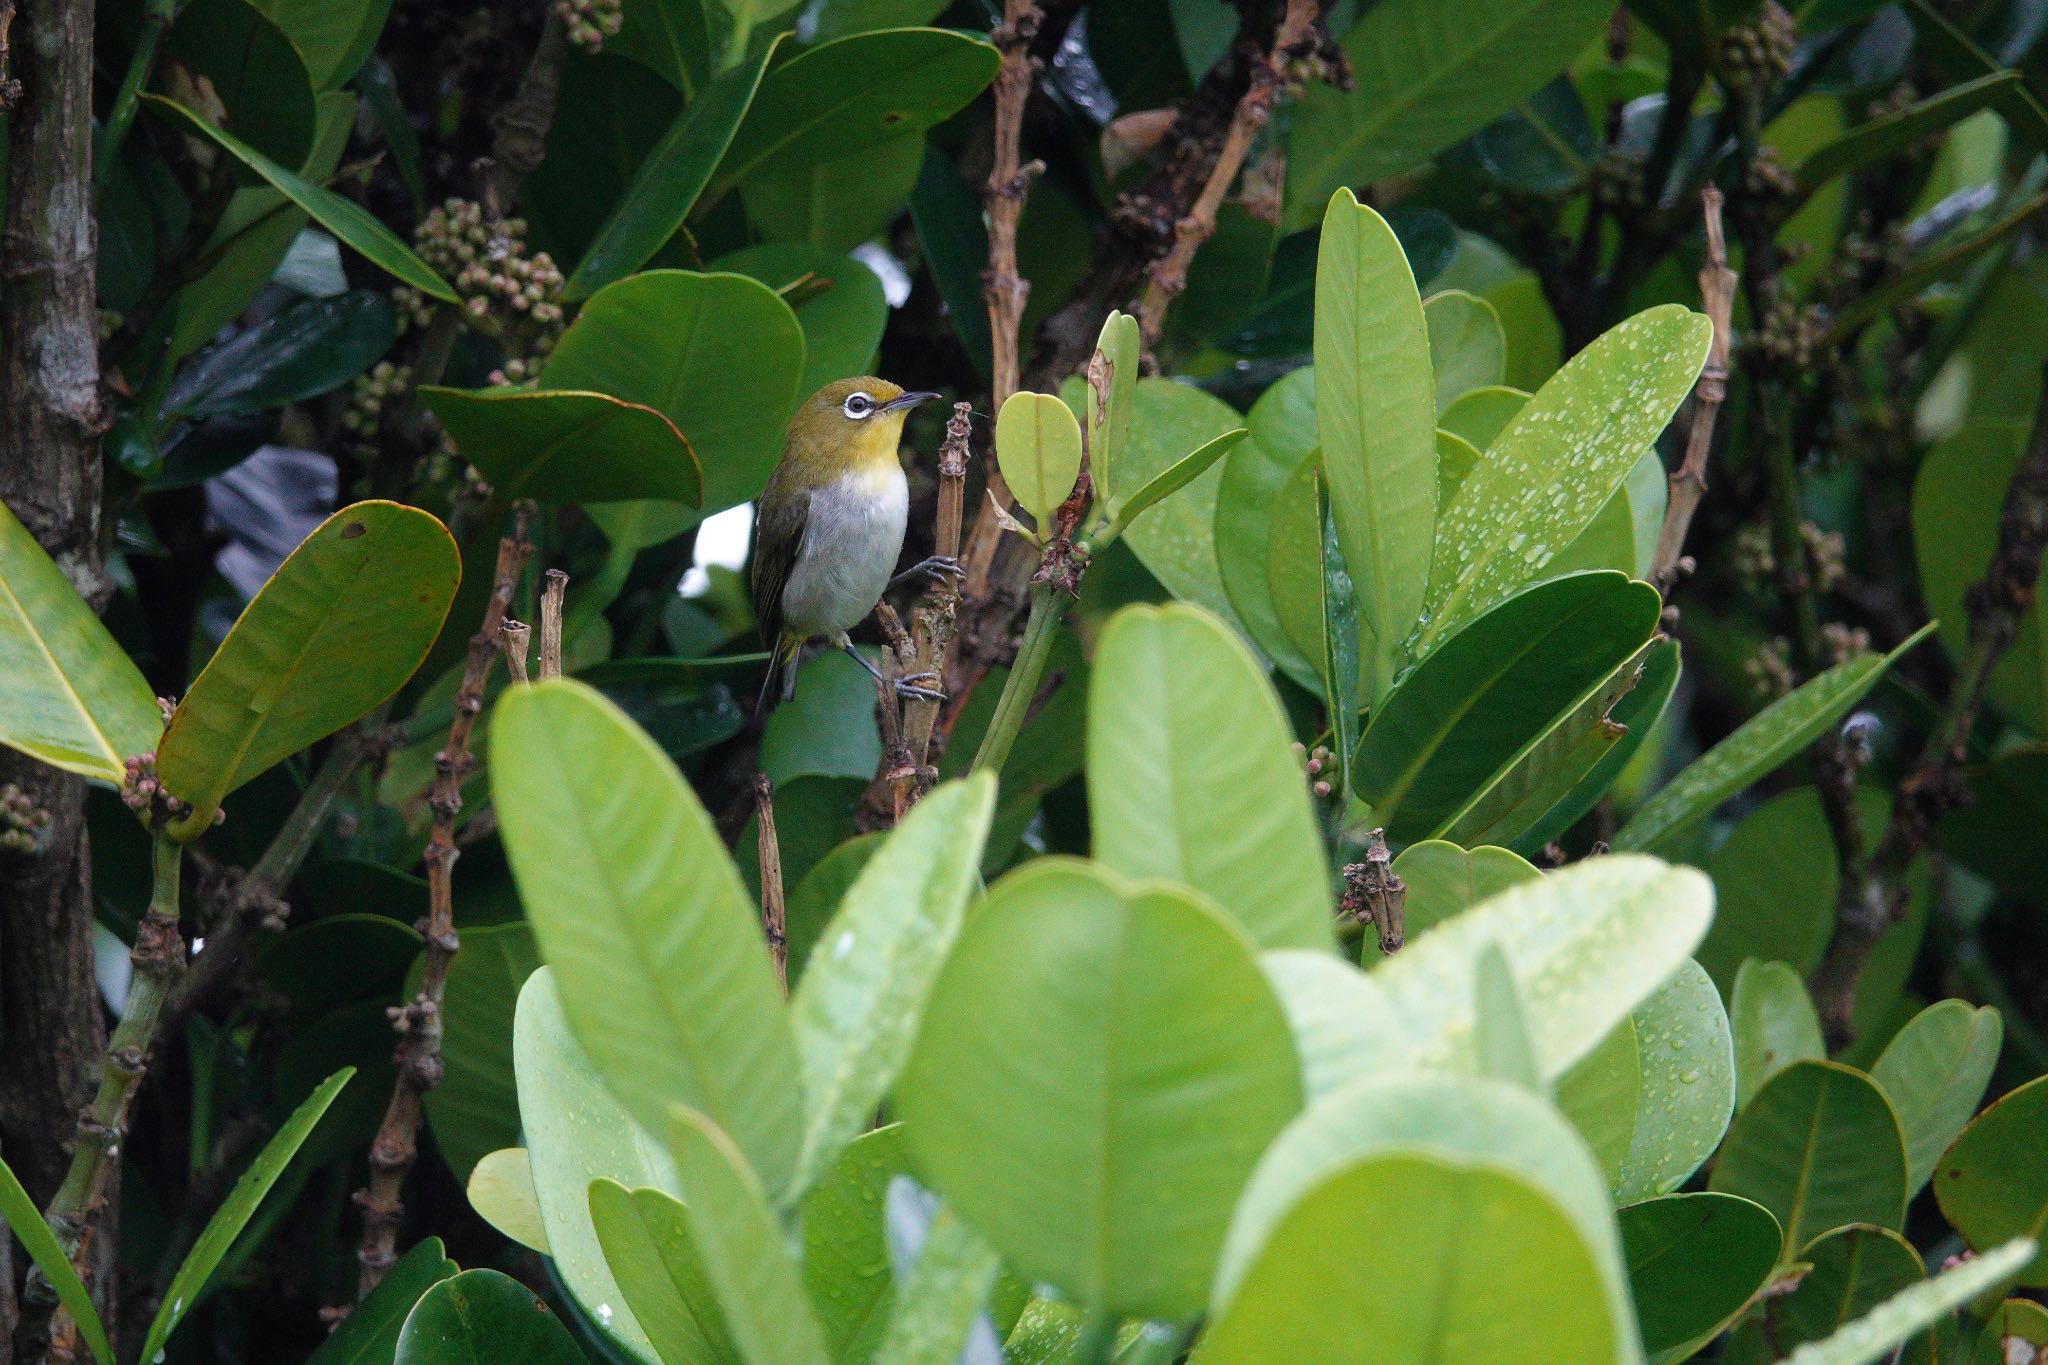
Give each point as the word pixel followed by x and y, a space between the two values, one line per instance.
pixel 50 422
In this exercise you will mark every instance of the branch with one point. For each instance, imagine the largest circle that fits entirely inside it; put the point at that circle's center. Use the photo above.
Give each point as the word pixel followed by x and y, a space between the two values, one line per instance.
pixel 515 637
pixel 1374 895
pixel 551 623
pixel 931 626
pixel 774 918
pixel 1688 482
pixel 1868 905
pixel 418 1023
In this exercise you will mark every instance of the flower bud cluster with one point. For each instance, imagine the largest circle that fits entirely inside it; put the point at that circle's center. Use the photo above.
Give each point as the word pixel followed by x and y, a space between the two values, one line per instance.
pixel 372 391
pixel 1760 52
pixel 1770 669
pixel 1320 761
pixel 589 22
pixel 488 263
pixel 22 821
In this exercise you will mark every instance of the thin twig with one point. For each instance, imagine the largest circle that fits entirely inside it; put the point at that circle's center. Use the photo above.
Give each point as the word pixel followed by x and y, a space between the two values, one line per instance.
pixel 1375 895
pixel 515 637
pixel 551 622
pixel 774 920
pixel 418 1023
pixel 1168 276
pixel 1870 902
pixel 932 623
pixel 1688 482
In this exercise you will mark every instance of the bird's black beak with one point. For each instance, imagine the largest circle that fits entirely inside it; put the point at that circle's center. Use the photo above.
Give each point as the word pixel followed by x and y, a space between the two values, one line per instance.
pixel 907 401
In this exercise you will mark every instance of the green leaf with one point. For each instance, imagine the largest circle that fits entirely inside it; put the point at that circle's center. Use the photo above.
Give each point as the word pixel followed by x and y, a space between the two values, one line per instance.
pixel 1760 744
pixel 576 1132
pixel 480 1316
pixel 666 186
pixel 2015 1320
pixel 1376 418
pixel 1099 1067
pixel 669 37
pixel 653 939
pixel 303 350
pixel 850 94
pixel 1641 711
pixel 1500 1031
pixel 842 308
pixel 1893 132
pixel 474 1110
pixel 1600 1095
pixel 345 218
pixel 1852 1270
pixel 20 1214
pixel 1108 421
pixel 73 698
pixel 335 36
pixel 501 1190
pixel 1934 1071
pixel 1467 349
pixel 1038 446
pixel 651 1251
pixel 1340 642
pixel 1561 458
pixel 826 729
pixel 1427 74
pixel 718 355
pixel 838 203
pixel 1775 1024
pixel 1478 704
pixel 255 71
pixel 233 1215
pixel 1469 1178
pixel 1444 880
pixel 1819 1146
pixel 943 1293
pixel 1992 1184
pixel 846 1259
pixel 1254 476
pixel 856 1010
pixel 1191 777
pixel 1688 1084
pixel 567 446
pixel 1587 944
pixel 1169 481
pixel 1177 541
pixel 1694 1260
pixel 369 1334
pixel 1880 1332
pixel 1340 1017
pixel 1481 415
pixel 339 628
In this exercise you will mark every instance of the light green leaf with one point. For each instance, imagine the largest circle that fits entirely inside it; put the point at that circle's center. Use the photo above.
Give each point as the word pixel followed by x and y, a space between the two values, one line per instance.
pixel 1500 1031
pixel 1688 1084
pixel 1376 418
pixel 652 937
pixel 345 218
pixel 1880 1331
pixel 1991 1182
pixel 1038 446
pixel 20 1214
pixel 481 1316
pixel 649 1249
pixel 1444 879
pixel 1255 475
pixel 1934 1071
pixel 1587 944
pixel 1481 415
pixel 943 1294
pixel 500 1189
pixel 73 698
pixel 338 629
pixel 1694 1260
pixel 1177 539
pixel 1109 422
pixel 233 1215
pixel 568 446
pixel 1343 1026
pixel 1775 1024
pixel 1191 777
pixel 1170 481
pixel 856 1010
pixel 1819 1146
pixel 1467 349
pixel 1563 456
pixel 1760 744
pixel 1601 1094
pixel 1099 1068
pixel 845 1254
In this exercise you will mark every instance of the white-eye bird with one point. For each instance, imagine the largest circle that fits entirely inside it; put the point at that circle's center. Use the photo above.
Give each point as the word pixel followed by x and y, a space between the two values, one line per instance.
pixel 829 526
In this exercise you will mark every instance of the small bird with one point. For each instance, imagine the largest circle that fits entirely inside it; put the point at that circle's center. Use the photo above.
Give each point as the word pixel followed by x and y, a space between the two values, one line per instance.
pixel 830 526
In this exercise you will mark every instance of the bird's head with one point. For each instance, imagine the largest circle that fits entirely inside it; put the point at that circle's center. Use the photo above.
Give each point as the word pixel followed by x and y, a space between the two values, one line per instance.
pixel 850 424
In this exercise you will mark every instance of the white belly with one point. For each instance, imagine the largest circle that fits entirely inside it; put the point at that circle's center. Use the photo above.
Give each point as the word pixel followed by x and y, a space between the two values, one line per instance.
pixel 853 534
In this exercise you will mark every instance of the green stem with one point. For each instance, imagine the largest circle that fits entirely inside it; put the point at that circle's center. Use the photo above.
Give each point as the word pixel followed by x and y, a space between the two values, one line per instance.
pixel 1048 605
pixel 156 18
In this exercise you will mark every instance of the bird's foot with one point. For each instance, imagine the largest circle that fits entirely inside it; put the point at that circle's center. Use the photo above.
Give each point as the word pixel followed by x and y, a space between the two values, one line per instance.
pixel 934 567
pixel 910 685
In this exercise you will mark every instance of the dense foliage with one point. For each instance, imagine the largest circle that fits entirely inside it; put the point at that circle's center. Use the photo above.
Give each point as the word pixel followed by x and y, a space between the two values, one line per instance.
pixel 1481 787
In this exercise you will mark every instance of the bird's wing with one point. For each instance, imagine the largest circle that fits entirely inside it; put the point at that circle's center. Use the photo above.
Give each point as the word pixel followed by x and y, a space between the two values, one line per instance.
pixel 778 535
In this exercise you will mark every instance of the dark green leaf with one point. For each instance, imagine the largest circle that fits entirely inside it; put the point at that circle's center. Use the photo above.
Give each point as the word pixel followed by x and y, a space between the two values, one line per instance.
pixel 1992 1184
pixel 255 70
pixel 1693 1262
pixel 475 1109
pixel 369 1334
pixel 562 445
pixel 305 349
pixel 484 1316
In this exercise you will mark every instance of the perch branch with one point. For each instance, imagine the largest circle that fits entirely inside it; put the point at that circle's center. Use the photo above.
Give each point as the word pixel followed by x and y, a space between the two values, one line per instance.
pixel 1874 899
pixel 551 598
pixel 515 636
pixel 1689 481
pixel 774 917
pixel 932 623
pixel 418 1023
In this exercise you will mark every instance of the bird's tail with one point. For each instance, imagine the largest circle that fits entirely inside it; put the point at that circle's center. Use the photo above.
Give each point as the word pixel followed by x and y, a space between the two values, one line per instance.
pixel 781 664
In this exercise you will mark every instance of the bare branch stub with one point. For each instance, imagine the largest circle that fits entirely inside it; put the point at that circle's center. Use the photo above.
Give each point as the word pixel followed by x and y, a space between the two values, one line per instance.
pixel 1375 895
pixel 551 599
pixel 516 637
pixel 774 917
pixel 1688 483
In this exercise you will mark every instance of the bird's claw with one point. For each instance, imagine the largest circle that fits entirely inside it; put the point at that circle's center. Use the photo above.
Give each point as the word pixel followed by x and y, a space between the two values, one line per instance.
pixel 908 686
pixel 934 567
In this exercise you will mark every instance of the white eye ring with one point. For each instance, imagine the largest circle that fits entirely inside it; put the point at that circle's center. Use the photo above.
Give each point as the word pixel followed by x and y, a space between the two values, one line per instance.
pixel 857 406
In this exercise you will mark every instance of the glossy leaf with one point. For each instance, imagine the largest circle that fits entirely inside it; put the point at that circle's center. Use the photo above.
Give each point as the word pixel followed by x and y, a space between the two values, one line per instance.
pixel 1191 777
pixel 1467 349
pixel 1600 1095
pixel 1561 458
pixel 1694 1260
pixel 1991 1182
pixel 651 935
pixel 1376 421
pixel 944 1291
pixel 1169 481
pixel 845 1258
pixel 1343 1025
pixel 670 178
pixel 73 698
pixel 1880 1332
pixel 1687 1084
pixel 345 218
pixel 566 446
pixel 718 355
pixel 1934 1071
pixel 369 1334
pixel 856 1010
pixel 339 628
pixel 234 1213
pixel 1099 1067
pixel 1474 707
pixel 484 1315
pixel 1775 1024
pixel 21 1216
pixel 1254 476
pixel 1853 1270
pixel 1038 446
pixel 1427 74
pixel 305 349
pixel 1760 744
pixel 651 1251
pixel 1108 421
pixel 1444 880
pixel 1176 539
pixel 500 1188
pixel 576 1132
pixel 841 306
pixel 1819 1146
